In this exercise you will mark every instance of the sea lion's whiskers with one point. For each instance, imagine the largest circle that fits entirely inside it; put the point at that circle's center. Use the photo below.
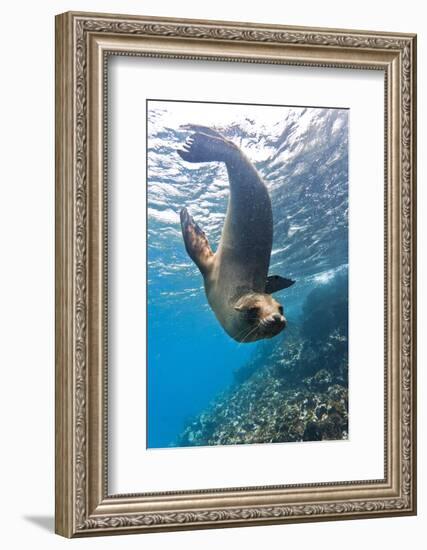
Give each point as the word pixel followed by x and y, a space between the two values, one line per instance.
pixel 239 334
pixel 250 332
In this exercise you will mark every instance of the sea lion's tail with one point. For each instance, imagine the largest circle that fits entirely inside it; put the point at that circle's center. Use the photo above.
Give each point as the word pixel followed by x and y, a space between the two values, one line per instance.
pixel 205 145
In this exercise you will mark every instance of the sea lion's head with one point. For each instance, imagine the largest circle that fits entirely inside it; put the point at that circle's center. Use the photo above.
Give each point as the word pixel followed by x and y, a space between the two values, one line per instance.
pixel 258 316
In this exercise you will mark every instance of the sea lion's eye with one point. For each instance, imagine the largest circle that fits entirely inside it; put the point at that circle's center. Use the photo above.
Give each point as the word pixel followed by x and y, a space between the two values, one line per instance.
pixel 253 312
pixel 281 310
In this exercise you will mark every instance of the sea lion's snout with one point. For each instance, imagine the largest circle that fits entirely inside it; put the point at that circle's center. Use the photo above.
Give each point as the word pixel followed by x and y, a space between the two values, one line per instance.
pixel 278 319
pixel 275 323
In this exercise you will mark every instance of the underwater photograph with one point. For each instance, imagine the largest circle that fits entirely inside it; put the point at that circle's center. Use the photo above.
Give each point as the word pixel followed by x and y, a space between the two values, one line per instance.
pixel 247 274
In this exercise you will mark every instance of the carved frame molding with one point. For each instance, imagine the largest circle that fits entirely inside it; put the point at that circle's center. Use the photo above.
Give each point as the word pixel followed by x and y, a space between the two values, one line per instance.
pixel 83 42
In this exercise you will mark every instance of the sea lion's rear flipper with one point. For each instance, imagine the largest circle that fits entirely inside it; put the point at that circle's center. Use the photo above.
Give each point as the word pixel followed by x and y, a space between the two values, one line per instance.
pixel 275 283
pixel 205 145
pixel 196 242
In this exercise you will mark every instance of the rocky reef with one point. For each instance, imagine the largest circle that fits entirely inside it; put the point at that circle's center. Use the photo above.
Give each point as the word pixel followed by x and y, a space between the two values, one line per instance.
pixel 295 388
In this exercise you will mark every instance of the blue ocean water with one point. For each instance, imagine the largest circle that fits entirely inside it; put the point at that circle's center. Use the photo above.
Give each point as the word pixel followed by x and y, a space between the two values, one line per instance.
pixel 302 155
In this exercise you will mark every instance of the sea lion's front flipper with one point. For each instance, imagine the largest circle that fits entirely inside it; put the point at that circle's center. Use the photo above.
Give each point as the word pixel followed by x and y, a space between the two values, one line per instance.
pixel 275 283
pixel 196 242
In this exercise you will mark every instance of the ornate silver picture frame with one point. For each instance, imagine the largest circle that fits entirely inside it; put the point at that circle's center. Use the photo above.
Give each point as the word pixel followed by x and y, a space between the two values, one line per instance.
pixel 84 43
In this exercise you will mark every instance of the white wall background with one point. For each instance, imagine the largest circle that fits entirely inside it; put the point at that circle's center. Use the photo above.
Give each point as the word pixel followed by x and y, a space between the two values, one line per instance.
pixel 27 274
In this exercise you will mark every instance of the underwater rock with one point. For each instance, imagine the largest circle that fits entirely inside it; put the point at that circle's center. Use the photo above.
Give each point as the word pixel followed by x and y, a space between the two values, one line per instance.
pixel 326 309
pixel 278 415
pixel 320 381
pixel 312 432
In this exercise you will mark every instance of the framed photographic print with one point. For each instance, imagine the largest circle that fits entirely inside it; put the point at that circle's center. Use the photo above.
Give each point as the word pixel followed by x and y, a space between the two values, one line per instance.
pixel 235 274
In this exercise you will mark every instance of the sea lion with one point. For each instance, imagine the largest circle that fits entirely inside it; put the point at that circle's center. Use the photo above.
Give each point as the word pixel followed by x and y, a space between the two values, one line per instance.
pixel 236 279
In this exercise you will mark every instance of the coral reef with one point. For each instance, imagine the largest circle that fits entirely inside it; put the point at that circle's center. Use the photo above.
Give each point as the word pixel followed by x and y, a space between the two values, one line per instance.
pixel 294 389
